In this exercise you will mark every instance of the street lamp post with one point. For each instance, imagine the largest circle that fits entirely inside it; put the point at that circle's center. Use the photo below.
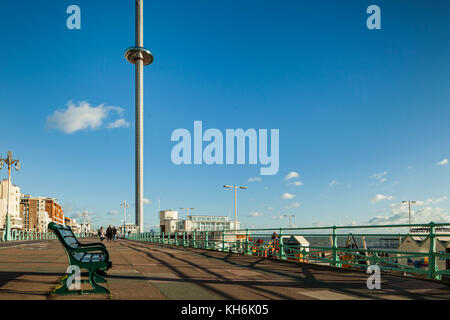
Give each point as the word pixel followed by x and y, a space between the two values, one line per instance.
pixel 409 202
pixel 187 211
pixel 140 57
pixel 9 162
pixel 289 216
pixel 124 205
pixel 235 187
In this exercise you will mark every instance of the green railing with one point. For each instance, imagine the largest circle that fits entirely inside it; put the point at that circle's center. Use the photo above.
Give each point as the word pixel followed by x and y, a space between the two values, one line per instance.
pixel 20 235
pixel 422 252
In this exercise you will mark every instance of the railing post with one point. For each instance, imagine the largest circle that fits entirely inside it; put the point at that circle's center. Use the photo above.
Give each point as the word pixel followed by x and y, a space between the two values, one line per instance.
pixel 335 258
pixel 223 240
pixel 193 238
pixel 280 241
pixel 247 249
pixel 184 239
pixel 176 238
pixel 206 240
pixel 432 267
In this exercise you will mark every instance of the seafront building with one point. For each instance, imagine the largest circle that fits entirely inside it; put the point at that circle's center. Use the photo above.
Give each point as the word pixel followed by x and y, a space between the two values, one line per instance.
pixel 34 216
pixel 170 222
pixel 129 228
pixel 37 212
pixel 14 205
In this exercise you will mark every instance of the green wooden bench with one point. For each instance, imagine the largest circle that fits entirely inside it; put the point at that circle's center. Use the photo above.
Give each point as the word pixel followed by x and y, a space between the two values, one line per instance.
pixel 91 256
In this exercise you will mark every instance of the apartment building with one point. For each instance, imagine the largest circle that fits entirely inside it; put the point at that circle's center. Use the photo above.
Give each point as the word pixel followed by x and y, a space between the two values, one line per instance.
pixel 14 205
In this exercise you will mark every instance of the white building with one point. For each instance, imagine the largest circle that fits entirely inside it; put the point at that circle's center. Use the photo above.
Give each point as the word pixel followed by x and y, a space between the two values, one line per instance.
pixel 14 205
pixel 85 227
pixel 170 223
pixel 42 221
pixel 129 228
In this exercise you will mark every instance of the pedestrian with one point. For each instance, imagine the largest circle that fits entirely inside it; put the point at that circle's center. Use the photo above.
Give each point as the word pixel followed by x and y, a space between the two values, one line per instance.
pixel 101 233
pixel 114 233
pixel 109 233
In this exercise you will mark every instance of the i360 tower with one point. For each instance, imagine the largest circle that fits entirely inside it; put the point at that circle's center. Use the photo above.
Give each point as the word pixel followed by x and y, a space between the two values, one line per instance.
pixel 140 57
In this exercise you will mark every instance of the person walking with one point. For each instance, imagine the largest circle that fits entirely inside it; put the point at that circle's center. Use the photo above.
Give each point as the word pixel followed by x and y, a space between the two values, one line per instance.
pixel 101 233
pixel 114 233
pixel 109 233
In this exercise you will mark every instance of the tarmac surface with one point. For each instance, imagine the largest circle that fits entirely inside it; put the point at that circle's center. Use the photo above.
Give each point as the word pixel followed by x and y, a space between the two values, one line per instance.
pixel 143 271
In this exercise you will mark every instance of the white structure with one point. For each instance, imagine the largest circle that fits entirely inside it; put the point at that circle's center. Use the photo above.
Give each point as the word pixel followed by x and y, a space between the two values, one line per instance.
pixel 43 221
pixel 14 205
pixel 129 228
pixel 170 223
pixel 140 57
pixel 85 227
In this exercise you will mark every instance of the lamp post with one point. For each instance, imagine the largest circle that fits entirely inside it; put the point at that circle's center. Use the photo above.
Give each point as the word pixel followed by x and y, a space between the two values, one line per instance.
pixel 409 202
pixel 289 216
pixel 140 57
pixel 124 205
pixel 235 187
pixel 9 162
pixel 187 211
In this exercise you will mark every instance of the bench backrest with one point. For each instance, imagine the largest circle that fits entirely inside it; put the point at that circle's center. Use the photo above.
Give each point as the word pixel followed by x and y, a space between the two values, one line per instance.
pixel 65 235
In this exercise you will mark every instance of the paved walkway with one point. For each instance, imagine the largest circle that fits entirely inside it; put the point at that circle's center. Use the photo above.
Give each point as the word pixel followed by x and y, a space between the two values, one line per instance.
pixel 151 271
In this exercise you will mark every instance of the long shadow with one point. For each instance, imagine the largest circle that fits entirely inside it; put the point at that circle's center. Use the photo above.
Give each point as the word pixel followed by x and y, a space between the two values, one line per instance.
pixel 249 284
pixel 311 281
pixel 223 279
pixel 180 273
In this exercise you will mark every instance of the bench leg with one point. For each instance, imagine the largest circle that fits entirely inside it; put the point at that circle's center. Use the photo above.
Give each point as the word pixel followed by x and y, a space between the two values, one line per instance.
pixel 94 279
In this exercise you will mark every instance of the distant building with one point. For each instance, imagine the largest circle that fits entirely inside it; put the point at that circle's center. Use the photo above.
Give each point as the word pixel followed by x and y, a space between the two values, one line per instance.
pixel 54 210
pixel 129 228
pixel 169 222
pixel 422 244
pixel 14 205
pixel 33 214
pixel 85 227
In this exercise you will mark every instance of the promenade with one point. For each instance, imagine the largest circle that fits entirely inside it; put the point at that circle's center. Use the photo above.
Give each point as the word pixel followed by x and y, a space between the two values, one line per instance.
pixel 30 270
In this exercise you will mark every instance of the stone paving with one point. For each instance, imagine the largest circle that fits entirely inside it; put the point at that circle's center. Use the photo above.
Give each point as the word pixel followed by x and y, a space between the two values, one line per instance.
pixel 31 270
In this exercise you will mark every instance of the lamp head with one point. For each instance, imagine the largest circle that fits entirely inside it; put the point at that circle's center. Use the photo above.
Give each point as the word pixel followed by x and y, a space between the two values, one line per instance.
pixel 17 167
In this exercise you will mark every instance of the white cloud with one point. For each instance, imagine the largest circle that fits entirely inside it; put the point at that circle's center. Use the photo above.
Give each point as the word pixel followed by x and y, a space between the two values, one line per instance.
pixel 380 197
pixel 443 162
pixel 296 183
pixel 80 117
pixel 287 196
pixel 119 123
pixel 292 175
pixel 255 214
pixel 255 179
pixel 431 201
pixel 293 205
pixel 424 215
pixel 146 201
pixel 113 212
pixel 332 183
pixel 381 177
pixel 278 217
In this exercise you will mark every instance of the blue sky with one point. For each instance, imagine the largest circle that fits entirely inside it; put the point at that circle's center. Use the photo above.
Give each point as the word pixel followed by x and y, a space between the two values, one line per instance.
pixel 350 103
